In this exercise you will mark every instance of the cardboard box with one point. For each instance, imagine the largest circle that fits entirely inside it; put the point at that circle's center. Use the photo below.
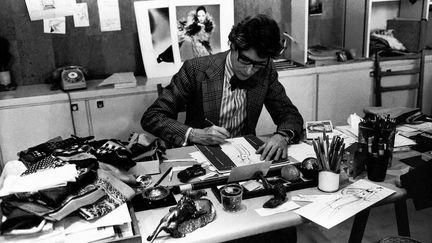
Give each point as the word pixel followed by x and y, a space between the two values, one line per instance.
pixel 411 32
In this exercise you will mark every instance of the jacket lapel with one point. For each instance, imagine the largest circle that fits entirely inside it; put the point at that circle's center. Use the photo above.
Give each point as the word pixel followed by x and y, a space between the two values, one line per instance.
pixel 212 87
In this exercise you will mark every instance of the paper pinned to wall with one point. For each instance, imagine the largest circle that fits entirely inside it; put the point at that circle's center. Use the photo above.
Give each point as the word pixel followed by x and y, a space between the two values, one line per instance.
pixel 109 15
pixel 55 25
pixel 48 9
pixel 81 16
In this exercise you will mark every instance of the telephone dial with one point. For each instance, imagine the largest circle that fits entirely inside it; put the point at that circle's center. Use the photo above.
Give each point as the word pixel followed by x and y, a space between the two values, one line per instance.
pixel 70 77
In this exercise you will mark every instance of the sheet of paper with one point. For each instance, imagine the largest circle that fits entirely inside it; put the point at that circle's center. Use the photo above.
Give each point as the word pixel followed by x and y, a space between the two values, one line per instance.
pixel 119 78
pixel 81 16
pixel 240 151
pixel 199 157
pixel 55 25
pixel 313 198
pixel 401 141
pixel 301 151
pixel 48 9
pixel 109 15
pixel 351 200
pixel 288 206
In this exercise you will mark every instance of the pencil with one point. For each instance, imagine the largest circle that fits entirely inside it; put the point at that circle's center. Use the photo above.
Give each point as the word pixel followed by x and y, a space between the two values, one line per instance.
pixel 163 177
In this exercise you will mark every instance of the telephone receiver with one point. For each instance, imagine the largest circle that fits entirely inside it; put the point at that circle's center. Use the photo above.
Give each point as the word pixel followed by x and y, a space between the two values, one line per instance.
pixel 69 78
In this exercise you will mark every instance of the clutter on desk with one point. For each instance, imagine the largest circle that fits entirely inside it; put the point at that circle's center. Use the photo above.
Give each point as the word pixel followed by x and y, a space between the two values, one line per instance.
pixel 401 115
pixel 80 176
pixel 187 216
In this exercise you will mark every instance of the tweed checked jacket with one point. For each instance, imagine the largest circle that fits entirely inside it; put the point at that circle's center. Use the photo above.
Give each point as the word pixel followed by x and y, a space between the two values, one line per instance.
pixel 198 86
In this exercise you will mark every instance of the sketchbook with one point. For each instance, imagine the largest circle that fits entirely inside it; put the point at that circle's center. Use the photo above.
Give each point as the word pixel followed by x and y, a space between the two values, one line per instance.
pixel 345 203
pixel 236 152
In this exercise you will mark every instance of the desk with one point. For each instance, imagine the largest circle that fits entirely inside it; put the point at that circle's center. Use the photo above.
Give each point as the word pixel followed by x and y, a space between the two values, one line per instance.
pixel 229 226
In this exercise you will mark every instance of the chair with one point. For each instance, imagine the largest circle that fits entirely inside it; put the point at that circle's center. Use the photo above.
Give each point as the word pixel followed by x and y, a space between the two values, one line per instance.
pixel 419 54
pixel 378 74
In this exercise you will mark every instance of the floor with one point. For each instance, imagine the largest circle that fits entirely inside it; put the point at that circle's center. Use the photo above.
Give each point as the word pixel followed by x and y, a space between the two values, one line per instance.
pixel 381 223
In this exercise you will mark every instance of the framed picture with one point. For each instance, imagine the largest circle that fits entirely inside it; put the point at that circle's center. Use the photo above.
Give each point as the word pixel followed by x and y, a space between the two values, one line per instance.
pixel 201 27
pixel 153 24
pixel 171 32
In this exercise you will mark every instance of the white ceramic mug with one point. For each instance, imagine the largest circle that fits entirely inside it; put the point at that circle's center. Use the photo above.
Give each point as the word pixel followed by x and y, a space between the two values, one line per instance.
pixel 328 181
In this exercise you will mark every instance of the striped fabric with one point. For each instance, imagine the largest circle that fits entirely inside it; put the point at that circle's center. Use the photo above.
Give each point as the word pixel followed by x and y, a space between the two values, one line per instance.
pixel 233 108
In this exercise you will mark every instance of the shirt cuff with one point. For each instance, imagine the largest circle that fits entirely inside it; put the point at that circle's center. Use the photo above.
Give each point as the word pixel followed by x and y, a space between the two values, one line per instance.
pixel 187 136
pixel 289 134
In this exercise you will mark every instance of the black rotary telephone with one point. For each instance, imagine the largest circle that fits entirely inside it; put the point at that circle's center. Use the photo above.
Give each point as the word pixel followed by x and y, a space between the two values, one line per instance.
pixel 69 78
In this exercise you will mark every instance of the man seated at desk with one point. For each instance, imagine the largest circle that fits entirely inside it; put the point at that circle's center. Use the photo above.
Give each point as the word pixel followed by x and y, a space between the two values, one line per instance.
pixel 224 94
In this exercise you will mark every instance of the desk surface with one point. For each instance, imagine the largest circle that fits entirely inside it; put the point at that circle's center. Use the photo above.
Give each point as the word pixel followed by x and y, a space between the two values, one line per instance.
pixel 229 226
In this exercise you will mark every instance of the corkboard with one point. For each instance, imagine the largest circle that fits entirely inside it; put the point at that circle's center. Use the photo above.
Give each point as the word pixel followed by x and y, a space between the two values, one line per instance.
pixel 37 54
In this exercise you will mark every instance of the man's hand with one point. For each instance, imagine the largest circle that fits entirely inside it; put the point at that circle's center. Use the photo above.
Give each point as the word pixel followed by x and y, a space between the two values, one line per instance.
pixel 209 135
pixel 275 148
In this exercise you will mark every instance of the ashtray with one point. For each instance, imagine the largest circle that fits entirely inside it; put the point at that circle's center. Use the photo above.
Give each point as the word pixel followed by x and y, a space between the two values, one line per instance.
pixel 156 193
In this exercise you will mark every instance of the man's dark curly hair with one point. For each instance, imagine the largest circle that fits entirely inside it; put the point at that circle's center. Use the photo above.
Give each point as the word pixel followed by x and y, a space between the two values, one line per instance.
pixel 259 32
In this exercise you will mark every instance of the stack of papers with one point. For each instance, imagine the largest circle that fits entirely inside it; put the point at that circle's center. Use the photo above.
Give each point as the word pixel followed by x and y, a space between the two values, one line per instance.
pixel 120 80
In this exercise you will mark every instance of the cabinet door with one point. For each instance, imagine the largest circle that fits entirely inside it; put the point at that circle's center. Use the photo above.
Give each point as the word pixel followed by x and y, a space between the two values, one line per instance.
pixel 118 116
pixel 342 93
pixel 427 87
pixel 301 90
pixel 26 126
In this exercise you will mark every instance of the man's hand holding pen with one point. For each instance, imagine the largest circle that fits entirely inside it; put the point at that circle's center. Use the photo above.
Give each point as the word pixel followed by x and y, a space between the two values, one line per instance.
pixel 211 135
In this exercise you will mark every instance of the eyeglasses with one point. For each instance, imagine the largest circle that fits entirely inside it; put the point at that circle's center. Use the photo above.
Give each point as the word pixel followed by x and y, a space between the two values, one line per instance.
pixel 247 61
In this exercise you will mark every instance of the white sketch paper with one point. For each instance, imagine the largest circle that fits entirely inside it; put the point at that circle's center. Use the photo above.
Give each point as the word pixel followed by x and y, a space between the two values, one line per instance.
pixel 55 25
pixel 348 201
pixel 240 151
pixel 48 9
pixel 81 17
pixel 109 15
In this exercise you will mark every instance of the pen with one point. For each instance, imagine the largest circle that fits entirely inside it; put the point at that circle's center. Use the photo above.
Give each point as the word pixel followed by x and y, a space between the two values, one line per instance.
pixel 170 175
pixel 210 122
pixel 163 177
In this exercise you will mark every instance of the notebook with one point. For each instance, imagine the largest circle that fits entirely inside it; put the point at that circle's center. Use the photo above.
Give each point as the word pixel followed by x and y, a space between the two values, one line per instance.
pixel 236 152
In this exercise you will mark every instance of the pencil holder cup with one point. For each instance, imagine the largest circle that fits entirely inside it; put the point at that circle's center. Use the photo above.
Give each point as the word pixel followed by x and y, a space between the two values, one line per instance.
pixel 376 167
pixel 377 143
pixel 328 181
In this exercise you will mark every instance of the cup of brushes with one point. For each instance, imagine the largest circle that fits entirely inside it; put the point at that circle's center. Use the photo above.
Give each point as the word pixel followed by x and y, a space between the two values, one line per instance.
pixel 329 157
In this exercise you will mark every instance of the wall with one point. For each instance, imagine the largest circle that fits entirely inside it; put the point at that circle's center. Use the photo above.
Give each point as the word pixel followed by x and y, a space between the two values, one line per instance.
pixel 36 54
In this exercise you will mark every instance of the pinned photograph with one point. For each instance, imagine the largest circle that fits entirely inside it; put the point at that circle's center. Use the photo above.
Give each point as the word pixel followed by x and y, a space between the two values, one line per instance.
pixel 81 16
pixel 55 25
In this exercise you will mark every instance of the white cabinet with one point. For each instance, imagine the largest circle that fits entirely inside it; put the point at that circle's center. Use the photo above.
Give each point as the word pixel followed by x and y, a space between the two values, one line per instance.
pixel 118 116
pixel 300 86
pixel 343 90
pixel 26 125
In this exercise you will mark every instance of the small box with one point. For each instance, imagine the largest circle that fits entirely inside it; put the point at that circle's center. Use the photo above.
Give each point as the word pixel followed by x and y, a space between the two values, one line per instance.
pixel 411 32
